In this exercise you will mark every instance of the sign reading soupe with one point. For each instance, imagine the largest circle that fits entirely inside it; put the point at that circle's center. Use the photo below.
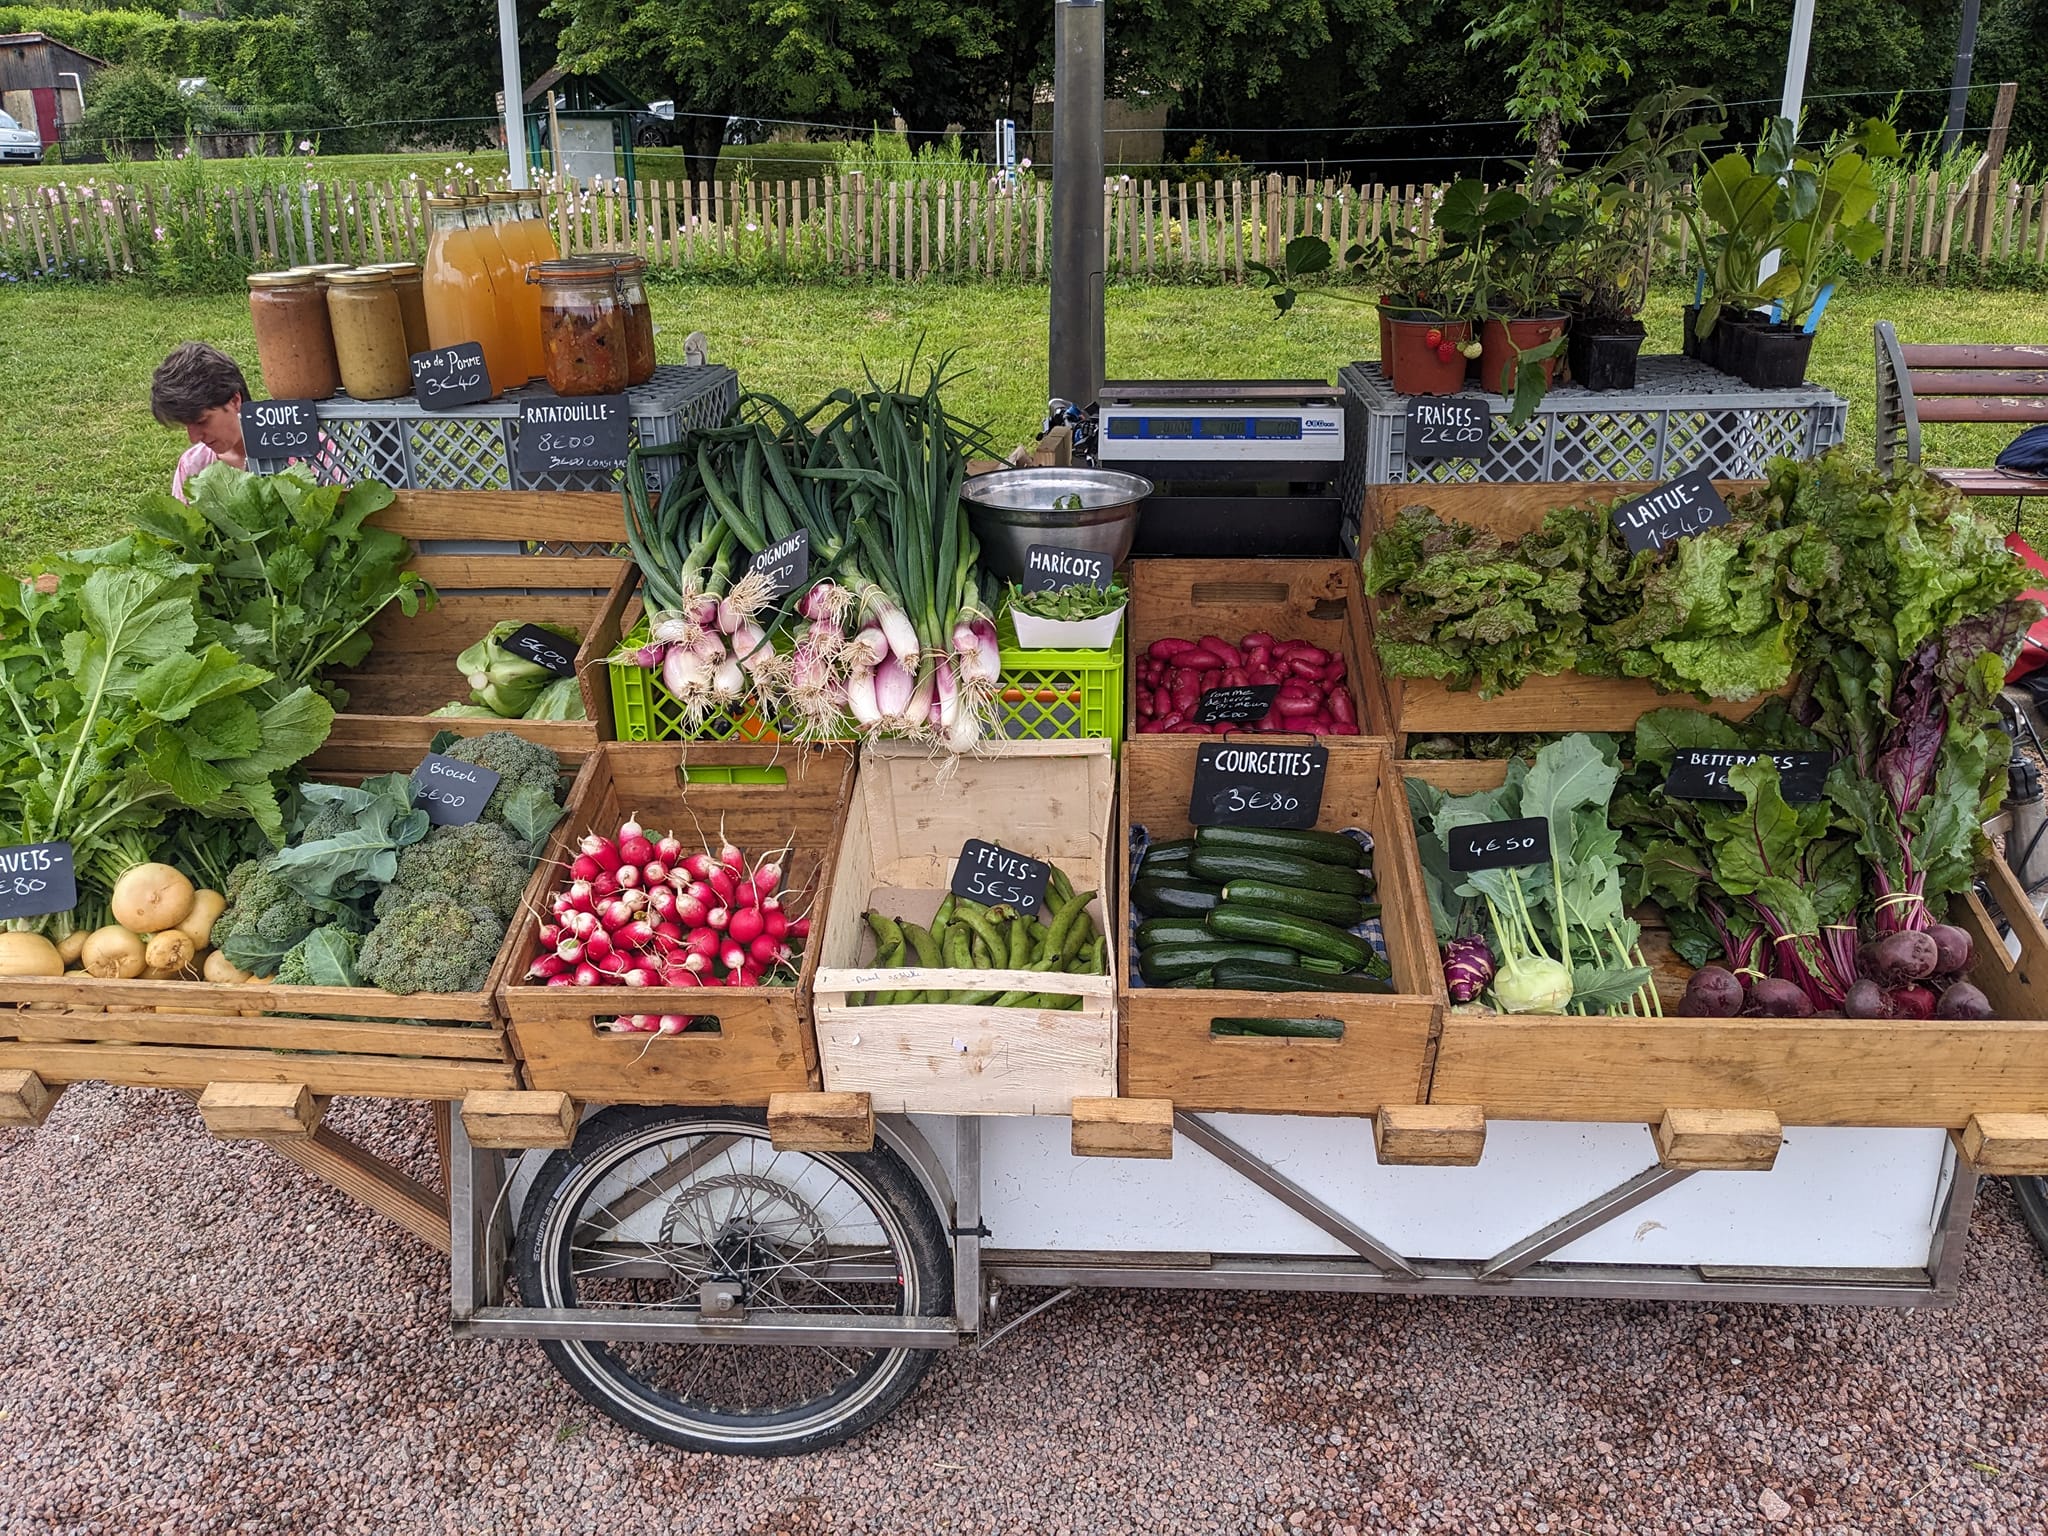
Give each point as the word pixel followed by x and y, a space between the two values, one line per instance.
pixel 1049 567
pixel 280 429
pixel 1673 511
pixel 996 877
pixel 1500 844
pixel 36 879
pixel 1698 773
pixel 1257 786
pixel 453 794
pixel 1447 427
pixel 572 433
pixel 450 376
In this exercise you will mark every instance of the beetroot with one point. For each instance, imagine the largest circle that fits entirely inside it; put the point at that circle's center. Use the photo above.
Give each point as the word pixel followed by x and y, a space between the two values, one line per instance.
pixel 1909 956
pixel 1914 1002
pixel 1963 1001
pixel 1777 999
pixel 1713 993
pixel 1866 1000
pixel 1955 950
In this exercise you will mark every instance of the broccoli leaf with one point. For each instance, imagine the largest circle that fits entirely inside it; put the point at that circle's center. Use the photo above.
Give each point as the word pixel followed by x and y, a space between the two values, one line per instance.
pixel 529 811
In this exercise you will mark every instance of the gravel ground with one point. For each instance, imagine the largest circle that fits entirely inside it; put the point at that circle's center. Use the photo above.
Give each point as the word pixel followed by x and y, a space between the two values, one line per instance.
pixel 196 1337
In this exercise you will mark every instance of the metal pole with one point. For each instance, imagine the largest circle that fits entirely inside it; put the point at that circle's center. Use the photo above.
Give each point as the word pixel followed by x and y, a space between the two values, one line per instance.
pixel 1959 84
pixel 515 110
pixel 1077 349
pixel 1795 88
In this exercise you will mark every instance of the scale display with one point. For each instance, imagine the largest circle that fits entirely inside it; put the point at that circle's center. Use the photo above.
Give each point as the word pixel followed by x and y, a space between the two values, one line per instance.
pixel 1221 433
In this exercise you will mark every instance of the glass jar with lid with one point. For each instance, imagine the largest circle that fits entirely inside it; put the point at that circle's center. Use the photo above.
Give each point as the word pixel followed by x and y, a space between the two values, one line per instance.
pixel 369 334
pixel 322 271
pixel 412 304
pixel 294 339
pixel 461 301
pixel 583 325
pixel 639 319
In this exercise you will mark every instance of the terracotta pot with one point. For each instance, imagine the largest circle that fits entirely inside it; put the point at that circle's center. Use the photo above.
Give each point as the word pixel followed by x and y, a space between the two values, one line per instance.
pixel 1500 341
pixel 1417 369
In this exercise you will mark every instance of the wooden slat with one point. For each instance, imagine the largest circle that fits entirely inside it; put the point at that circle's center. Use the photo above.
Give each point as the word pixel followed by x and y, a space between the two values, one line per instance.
pixel 521 1118
pixel 821 1122
pixel 266 1111
pixel 1429 1135
pixel 453 573
pixel 1123 1128
pixel 172 1067
pixel 211 999
pixel 1991 482
pixel 374 1182
pixel 25 1099
pixel 1980 381
pixel 2007 1145
pixel 1426 706
pixel 1982 410
pixel 589 517
pixel 1973 355
pixel 1729 1140
pixel 235 1033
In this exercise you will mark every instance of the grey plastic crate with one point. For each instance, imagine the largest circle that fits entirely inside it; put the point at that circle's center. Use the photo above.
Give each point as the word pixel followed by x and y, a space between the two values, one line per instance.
pixel 1681 415
pixel 475 447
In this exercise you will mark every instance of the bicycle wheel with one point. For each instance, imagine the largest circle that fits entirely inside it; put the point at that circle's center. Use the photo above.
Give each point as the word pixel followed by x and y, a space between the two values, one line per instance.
pixel 2032 1194
pixel 650 1204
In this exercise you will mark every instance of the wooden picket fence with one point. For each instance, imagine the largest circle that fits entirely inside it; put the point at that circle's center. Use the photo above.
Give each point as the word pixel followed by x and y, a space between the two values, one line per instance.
pixel 907 231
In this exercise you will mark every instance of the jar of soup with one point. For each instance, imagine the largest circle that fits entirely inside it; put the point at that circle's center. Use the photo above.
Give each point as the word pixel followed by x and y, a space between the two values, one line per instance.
pixel 583 326
pixel 639 319
pixel 322 271
pixel 294 340
pixel 412 303
pixel 369 334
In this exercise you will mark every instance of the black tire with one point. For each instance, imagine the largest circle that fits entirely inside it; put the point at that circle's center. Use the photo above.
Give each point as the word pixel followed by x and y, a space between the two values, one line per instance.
pixel 617 1379
pixel 2032 1195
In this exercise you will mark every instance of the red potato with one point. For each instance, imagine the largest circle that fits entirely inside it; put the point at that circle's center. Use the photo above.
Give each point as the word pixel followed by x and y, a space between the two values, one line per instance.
pixel 1222 650
pixel 1260 639
pixel 1169 650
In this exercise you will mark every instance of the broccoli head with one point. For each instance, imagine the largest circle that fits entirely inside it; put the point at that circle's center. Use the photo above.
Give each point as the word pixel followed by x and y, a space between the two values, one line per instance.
pixel 481 859
pixel 526 772
pixel 326 957
pixel 432 942
pixel 263 919
pixel 332 819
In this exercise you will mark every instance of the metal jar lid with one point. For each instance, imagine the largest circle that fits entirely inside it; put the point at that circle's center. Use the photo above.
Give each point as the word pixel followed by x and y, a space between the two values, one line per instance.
pixel 355 276
pixel 291 279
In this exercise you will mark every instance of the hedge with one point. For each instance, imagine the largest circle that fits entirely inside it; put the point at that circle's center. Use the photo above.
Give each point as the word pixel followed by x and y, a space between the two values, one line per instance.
pixel 249 62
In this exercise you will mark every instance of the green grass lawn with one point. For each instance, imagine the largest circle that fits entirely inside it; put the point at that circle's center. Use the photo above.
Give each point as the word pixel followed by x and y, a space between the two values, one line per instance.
pixel 77 443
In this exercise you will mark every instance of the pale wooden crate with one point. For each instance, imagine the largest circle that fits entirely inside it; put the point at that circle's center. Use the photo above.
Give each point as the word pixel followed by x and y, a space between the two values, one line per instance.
pixel 1168 1047
pixel 1858 1072
pixel 756 1041
pixel 1423 706
pixel 909 815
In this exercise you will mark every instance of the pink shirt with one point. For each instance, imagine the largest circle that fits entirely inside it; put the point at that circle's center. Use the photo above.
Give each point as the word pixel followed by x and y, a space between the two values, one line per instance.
pixel 190 462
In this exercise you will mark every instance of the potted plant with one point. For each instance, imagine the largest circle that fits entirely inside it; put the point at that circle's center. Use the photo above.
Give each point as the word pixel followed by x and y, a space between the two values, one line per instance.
pixel 1083 617
pixel 1518 241
pixel 1427 304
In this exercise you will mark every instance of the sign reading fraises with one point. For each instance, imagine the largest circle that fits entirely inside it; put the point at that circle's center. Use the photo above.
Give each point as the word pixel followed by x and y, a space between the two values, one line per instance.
pixel 577 433
pixel 1447 427
pixel 1673 511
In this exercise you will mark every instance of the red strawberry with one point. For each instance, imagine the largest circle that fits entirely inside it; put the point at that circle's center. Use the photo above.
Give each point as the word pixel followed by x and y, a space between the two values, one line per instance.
pixel 1435 338
pixel 1446 352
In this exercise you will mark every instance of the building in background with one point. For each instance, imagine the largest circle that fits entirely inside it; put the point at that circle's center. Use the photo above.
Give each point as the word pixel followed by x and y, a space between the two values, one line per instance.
pixel 43 83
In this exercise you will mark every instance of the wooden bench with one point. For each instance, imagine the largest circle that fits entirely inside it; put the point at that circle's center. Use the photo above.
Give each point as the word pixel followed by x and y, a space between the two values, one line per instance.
pixel 1950 382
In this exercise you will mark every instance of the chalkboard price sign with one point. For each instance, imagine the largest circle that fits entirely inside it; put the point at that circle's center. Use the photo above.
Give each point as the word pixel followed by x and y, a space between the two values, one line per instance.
pixel 1500 844
pixel 446 377
pixel 542 647
pixel 280 429
pixel 786 563
pixel 1049 567
pixel 579 432
pixel 1448 427
pixel 996 877
pixel 1235 706
pixel 37 879
pixel 453 794
pixel 1673 511
pixel 1698 773
pixel 1241 785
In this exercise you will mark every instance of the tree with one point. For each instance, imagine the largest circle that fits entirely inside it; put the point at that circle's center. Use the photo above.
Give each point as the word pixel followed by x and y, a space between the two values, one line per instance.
pixel 1566 50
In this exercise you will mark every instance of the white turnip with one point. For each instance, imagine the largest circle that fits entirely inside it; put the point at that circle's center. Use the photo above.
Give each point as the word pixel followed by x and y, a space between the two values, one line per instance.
pixel 30 954
pixel 150 898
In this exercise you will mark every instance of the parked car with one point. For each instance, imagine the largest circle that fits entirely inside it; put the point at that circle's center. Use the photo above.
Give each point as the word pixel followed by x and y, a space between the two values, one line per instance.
pixel 18 144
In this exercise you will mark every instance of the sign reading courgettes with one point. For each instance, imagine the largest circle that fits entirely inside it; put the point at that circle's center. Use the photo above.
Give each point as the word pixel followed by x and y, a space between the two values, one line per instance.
pixel 1242 784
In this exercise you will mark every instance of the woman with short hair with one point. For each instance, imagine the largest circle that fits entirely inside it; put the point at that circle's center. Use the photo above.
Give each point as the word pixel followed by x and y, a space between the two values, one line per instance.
pixel 201 389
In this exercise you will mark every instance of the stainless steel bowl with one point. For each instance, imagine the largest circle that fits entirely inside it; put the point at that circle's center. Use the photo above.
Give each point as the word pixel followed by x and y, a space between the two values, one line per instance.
pixel 1012 509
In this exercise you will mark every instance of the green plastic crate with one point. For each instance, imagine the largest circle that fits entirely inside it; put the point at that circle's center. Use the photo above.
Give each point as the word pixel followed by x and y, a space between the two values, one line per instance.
pixel 1042 696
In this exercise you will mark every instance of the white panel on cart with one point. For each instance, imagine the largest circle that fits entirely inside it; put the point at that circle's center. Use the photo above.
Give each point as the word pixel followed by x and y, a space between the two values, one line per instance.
pixel 1838 1198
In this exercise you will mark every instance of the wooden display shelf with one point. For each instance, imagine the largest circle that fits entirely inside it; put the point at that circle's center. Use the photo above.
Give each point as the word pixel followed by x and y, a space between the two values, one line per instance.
pixel 904 827
pixel 1855 1072
pixel 1168 1049
pixel 410 671
pixel 1320 601
pixel 752 1042
pixel 1422 706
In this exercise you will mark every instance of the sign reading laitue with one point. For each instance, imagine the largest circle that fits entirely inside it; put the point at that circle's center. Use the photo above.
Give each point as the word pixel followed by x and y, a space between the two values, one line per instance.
pixel 1673 511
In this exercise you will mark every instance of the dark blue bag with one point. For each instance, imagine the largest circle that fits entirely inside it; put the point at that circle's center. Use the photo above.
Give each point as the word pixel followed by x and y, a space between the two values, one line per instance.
pixel 2027 454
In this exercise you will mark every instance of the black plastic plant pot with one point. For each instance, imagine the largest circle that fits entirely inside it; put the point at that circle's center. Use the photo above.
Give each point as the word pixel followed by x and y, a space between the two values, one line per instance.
pixel 1775 356
pixel 1729 347
pixel 1693 345
pixel 1603 353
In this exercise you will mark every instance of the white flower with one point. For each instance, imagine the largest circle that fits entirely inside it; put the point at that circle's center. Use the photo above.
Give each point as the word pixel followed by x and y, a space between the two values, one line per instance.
pixel 305 146
pixel 1024 164
pixel 752 227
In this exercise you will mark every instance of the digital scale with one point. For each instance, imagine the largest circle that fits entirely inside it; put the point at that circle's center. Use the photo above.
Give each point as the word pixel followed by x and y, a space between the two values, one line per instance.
pixel 1242 467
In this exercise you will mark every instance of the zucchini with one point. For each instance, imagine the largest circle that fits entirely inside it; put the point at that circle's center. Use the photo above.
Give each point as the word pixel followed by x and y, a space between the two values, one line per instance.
pixel 1161 896
pixel 1223 865
pixel 1165 856
pixel 1165 964
pixel 1285 1029
pixel 1322 847
pixel 1325 906
pixel 1303 935
pixel 1263 976
pixel 1172 930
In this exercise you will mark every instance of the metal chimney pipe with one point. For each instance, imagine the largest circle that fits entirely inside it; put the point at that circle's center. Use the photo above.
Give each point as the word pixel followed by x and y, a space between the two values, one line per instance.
pixel 1077 350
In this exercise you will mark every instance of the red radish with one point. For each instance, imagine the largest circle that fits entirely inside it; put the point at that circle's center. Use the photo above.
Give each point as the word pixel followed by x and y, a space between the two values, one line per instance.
pixel 635 849
pixel 678 976
pixel 653 872
pixel 630 827
pixel 732 957
pixel 602 849
pixel 746 895
pixel 669 931
pixel 694 963
pixel 605 885
pixel 669 850
pixel 545 966
pixel 638 977
pixel 722 881
pixel 580 895
pixel 629 877
pixel 661 900
pixel 699 866
pixel 692 910
pixel 732 858
pixel 585 867
pixel 705 942
pixel 701 889
pixel 588 975
pixel 800 928
pixel 637 933
pixel 765 951
pixel 550 936
pixel 614 914
pixel 562 981
pixel 774 924
pixel 596 947
pixel 717 918
pixel 570 950
pixel 745 925
pixel 743 978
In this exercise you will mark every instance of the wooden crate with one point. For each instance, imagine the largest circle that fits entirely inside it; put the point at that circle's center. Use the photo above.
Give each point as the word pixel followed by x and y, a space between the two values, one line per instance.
pixel 410 671
pixel 1168 1049
pixel 1423 706
pixel 1863 1072
pixel 910 814
pixel 756 1040
pixel 1320 601
pixel 188 1034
